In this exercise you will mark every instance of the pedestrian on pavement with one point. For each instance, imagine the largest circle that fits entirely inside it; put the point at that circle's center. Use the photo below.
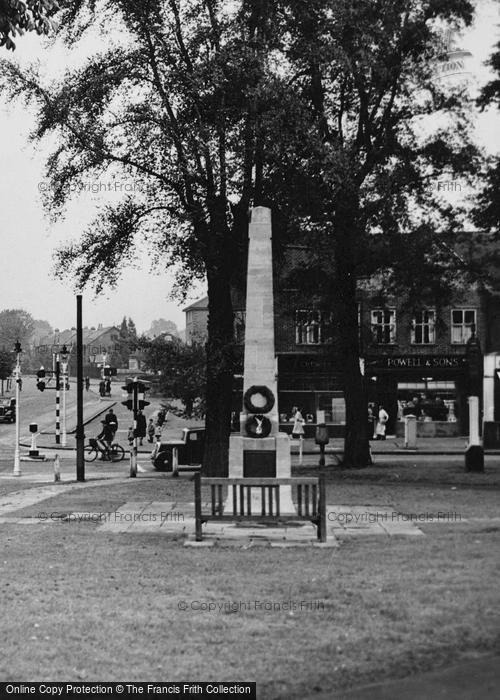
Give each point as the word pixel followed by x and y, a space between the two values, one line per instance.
pixel 141 426
pixel 108 387
pixel 112 421
pixel 383 417
pixel 298 424
pixel 87 383
pixel 151 430
pixel 102 388
pixel 162 415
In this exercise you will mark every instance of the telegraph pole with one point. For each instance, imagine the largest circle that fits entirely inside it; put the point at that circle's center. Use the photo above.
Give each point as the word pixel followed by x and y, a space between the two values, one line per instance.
pixel 80 434
pixel 17 465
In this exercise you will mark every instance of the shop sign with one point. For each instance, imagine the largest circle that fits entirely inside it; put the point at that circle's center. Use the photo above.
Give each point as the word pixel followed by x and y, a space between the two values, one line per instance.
pixel 417 362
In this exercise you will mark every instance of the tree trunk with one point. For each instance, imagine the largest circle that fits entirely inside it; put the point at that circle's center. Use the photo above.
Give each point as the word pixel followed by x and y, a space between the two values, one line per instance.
pixel 356 442
pixel 219 357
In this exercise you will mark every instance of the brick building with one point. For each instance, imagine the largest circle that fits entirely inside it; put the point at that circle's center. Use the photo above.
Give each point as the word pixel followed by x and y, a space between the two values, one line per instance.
pixel 404 354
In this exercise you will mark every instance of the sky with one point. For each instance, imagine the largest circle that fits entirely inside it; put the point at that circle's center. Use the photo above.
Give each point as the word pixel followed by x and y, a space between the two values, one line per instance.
pixel 28 238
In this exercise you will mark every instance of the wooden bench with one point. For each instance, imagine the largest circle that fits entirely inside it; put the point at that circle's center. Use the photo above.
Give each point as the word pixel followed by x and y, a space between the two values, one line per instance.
pixel 311 503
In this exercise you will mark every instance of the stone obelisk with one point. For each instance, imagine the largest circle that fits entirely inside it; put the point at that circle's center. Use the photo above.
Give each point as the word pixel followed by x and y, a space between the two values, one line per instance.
pixel 260 450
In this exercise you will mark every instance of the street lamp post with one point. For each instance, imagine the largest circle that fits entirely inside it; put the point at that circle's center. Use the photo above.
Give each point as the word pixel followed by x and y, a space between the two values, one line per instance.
pixel 64 359
pixel 17 463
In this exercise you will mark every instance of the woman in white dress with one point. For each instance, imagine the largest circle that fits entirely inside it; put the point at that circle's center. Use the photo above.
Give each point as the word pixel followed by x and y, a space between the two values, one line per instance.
pixel 383 417
pixel 298 424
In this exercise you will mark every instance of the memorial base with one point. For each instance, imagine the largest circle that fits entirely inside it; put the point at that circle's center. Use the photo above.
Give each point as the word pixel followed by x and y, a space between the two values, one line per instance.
pixel 267 458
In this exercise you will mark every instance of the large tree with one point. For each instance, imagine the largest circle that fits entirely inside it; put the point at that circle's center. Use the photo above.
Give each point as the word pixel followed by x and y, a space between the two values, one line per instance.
pixel 312 107
pixel 181 370
pixel 15 324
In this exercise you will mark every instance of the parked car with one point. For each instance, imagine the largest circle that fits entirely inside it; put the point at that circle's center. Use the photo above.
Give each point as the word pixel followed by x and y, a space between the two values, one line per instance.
pixel 8 410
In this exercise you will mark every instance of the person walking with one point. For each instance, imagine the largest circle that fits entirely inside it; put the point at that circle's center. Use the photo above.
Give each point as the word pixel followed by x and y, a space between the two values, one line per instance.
pixel 112 421
pixel 141 426
pixel 298 424
pixel 383 417
pixel 151 430
pixel 102 388
pixel 87 383
pixel 108 387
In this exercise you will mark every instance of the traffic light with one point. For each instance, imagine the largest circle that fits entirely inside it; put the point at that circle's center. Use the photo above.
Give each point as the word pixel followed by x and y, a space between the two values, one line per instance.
pixel 129 403
pixel 141 391
pixel 40 385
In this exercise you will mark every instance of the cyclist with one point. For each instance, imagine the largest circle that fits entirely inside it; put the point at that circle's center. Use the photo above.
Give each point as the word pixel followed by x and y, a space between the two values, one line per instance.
pixel 105 438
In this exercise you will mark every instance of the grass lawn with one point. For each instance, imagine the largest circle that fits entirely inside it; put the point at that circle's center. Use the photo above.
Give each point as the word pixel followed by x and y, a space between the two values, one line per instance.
pixel 78 604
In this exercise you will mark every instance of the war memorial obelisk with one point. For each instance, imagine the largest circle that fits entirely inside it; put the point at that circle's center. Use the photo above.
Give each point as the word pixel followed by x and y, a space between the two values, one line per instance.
pixel 260 450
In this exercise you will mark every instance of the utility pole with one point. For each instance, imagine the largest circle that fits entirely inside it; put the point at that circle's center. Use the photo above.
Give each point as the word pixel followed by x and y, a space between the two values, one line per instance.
pixel 64 358
pixel 57 369
pixel 17 464
pixel 135 402
pixel 80 434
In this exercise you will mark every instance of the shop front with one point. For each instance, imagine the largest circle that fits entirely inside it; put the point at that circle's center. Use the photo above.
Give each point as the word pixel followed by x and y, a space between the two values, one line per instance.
pixel 431 387
pixel 312 384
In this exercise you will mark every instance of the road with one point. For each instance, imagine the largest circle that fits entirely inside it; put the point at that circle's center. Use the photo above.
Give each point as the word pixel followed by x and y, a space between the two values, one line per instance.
pixel 39 407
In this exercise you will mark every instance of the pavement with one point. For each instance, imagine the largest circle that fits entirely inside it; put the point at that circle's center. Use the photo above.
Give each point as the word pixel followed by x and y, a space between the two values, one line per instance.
pixel 394 445
pixel 478 679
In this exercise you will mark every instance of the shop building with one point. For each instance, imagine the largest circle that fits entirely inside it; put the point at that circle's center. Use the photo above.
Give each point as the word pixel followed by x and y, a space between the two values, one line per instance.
pixel 410 358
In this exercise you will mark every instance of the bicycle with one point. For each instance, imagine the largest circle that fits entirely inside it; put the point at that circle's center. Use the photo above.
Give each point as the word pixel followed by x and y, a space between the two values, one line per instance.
pixel 115 453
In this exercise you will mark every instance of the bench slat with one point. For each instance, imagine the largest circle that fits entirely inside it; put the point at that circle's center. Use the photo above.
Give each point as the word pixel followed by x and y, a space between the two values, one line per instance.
pixel 242 500
pixel 220 504
pixel 212 490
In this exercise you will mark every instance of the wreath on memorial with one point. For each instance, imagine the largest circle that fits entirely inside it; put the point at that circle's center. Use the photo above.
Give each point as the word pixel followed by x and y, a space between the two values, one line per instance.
pixel 258 426
pixel 262 391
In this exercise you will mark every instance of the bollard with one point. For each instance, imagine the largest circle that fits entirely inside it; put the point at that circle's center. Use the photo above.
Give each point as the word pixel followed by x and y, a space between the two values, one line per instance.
pixel 57 469
pixel 410 432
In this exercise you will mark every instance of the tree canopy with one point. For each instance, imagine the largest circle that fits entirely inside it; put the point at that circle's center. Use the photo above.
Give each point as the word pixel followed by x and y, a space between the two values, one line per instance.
pixel 15 324
pixel 319 109
pixel 19 16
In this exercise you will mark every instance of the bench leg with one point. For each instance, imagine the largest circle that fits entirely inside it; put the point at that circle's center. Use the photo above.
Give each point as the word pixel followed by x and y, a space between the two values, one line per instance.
pixel 322 534
pixel 197 507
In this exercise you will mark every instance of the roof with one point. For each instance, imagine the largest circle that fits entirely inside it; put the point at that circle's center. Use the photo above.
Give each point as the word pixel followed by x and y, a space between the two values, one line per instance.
pixel 200 304
pixel 68 337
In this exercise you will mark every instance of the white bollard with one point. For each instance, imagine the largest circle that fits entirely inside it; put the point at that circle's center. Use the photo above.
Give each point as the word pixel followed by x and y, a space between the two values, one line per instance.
pixel 410 432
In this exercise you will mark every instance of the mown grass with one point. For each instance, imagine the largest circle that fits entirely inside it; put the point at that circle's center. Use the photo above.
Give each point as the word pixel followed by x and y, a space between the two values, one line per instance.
pixel 81 604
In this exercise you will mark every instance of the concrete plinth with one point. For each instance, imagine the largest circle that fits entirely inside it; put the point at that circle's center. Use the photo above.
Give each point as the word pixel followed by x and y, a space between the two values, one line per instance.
pixel 278 447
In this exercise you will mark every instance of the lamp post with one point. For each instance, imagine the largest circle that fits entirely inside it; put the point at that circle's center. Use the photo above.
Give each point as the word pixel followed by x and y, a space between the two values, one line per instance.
pixel 64 359
pixel 17 464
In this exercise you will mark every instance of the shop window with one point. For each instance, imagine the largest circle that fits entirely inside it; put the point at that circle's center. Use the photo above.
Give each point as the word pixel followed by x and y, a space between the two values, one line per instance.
pixel 423 330
pixel 384 326
pixel 463 322
pixel 312 327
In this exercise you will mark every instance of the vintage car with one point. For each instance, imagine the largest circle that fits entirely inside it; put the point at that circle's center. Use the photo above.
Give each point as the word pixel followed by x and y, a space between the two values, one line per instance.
pixel 8 410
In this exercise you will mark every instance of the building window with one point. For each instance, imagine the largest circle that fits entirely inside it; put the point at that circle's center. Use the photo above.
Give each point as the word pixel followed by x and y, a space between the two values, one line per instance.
pixel 384 326
pixel 312 327
pixel 423 330
pixel 463 321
